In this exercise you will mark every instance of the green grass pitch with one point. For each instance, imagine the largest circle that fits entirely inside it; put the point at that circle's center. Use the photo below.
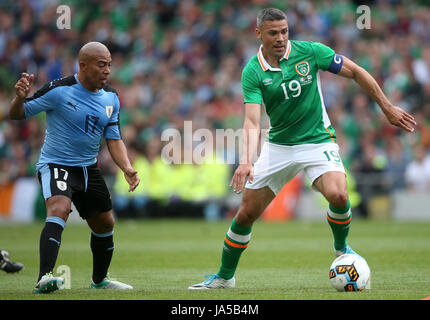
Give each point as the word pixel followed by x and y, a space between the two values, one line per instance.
pixel 291 260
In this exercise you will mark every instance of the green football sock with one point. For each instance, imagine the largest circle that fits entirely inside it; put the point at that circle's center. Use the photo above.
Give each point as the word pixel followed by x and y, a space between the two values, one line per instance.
pixel 339 220
pixel 235 242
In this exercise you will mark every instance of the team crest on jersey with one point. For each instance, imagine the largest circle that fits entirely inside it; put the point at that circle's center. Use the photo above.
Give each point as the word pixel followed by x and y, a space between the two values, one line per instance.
pixel 61 185
pixel 302 68
pixel 109 110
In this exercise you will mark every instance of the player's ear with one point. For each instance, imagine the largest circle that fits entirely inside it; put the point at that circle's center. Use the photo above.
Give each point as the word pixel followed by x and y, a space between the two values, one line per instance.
pixel 82 65
pixel 258 33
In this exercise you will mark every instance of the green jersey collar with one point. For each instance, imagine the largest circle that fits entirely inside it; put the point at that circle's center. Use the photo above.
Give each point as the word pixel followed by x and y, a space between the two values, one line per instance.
pixel 265 65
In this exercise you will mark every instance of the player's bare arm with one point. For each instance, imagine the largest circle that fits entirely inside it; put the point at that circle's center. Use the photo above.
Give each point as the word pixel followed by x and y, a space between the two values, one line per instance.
pixel 118 153
pixel 22 89
pixel 251 133
pixel 395 115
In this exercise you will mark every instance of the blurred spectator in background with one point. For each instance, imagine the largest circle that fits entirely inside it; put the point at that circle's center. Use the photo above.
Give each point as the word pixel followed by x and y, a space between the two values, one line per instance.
pixel 421 66
pixel 417 173
pixel 369 172
pixel 397 162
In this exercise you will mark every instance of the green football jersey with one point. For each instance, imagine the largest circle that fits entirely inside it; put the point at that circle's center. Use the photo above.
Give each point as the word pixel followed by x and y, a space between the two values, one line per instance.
pixel 292 93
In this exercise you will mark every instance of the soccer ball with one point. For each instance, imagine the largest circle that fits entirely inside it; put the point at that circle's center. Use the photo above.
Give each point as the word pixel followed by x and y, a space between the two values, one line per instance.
pixel 349 272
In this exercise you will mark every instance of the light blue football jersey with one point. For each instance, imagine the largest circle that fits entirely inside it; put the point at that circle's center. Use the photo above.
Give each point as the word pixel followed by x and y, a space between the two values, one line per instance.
pixel 76 120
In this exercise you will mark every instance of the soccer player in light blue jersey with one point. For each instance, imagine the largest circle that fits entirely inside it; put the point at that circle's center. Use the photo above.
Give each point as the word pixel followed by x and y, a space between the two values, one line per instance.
pixel 80 110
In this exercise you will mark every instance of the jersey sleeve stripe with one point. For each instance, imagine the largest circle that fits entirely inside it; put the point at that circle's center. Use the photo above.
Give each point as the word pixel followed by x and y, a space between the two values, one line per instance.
pixel 67 81
pixel 331 134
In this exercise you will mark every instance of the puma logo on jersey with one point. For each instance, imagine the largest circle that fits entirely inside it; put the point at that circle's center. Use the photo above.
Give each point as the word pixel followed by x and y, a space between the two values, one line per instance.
pixel 74 106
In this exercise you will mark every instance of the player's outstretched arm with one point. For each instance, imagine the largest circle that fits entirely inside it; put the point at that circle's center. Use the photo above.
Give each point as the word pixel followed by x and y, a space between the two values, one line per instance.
pixel 251 134
pixel 395 115
pixel 22 89
pixel 119 155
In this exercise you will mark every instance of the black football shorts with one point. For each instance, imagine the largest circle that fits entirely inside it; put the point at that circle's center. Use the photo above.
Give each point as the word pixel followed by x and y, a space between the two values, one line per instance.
pixel 85 186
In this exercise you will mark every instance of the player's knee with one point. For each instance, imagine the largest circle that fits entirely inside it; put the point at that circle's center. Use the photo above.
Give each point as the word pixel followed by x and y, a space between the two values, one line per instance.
pixel 102 223
pixel 110 223
pixel 107 224
pixel 338 198
pixel 58 208
pixel 246 215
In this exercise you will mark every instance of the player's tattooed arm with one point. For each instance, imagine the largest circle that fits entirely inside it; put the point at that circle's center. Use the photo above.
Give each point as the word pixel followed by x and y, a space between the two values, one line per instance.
pixel 395 115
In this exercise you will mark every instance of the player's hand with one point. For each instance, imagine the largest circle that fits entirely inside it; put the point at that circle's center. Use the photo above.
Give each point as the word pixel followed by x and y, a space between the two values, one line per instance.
pixel 23 86
pixel 400 118
pixel 132 178
pixel 239 177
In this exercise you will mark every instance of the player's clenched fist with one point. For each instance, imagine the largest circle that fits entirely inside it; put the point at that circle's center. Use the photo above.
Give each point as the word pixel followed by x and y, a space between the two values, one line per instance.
pixel 23 86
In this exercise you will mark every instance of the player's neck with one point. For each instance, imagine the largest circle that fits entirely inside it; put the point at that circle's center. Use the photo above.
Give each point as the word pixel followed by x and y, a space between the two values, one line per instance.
pixel 85 83
pixel 272 60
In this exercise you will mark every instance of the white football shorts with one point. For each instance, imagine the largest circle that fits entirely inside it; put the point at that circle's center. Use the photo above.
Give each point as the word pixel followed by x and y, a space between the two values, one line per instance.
pixel 278 164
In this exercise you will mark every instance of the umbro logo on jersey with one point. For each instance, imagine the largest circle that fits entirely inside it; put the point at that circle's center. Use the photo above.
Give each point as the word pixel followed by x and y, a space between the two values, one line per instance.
pixel 267 81
pixel 74 106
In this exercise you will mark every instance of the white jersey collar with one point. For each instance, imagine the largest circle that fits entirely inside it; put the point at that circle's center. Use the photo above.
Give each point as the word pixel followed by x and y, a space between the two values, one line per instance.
pixel 265 65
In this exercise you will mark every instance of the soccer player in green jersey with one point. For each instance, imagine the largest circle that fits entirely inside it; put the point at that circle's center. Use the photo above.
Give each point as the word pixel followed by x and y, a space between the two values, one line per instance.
pixel 283 76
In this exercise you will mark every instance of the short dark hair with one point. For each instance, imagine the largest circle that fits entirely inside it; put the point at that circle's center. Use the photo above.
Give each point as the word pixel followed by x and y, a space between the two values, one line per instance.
pixel 270 14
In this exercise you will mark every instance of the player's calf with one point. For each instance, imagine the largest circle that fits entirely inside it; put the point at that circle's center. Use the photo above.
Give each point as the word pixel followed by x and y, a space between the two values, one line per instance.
pixel 49 245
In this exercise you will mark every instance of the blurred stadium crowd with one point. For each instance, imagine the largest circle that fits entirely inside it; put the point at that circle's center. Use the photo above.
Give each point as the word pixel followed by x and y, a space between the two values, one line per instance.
pixel 176 61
